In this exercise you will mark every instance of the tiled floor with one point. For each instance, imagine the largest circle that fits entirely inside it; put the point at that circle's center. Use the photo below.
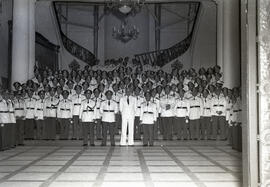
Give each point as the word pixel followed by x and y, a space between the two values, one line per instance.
pixel 188 164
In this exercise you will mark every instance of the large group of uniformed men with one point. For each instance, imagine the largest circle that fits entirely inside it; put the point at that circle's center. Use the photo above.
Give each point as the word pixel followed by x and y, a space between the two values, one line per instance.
pixel 136 102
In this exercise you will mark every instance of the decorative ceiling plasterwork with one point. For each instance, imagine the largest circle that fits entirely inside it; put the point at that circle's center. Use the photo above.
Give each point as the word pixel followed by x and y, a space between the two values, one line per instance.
pixel 264 91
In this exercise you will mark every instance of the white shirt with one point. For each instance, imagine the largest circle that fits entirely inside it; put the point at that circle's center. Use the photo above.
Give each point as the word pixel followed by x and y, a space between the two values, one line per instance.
pixel 77 100
pixel 39 109
pixel 165 101
pixel 19 108
pixel 182 107
pixel 51 104
pixel 207 106
pixel 4 112
pixel 29 108
pixel 148 114
pixel 139 101
pixel 108 109
pixel 88 110
pixel 65 109
pixel 196 108
pixel 219 105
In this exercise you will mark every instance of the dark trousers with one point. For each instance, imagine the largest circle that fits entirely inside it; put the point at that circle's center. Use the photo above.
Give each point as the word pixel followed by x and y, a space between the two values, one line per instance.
pixel 148 134
pixel 76 128
pixel 206 127
pixel 50 128
pixel 1 138
pixel 137 128
pixel 88 128
pixel 5 136
pixel 235 138
pixel 156 128
pixel 167 123
pixel 118 121
pixel 239 137
pixel 13 138
pixel 182 128
pixel 29 127
pixel 194 127
pixel 40 129
pixel 230 130
pixel 105 127
pixel 219 123
pixel 99 129
pixel 64 128
pixel 20 131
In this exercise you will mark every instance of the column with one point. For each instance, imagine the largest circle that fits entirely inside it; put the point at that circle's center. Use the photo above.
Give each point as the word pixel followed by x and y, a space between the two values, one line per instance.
pixel 23 41
pixel 96 28
pixel 32 38
pixel 157 26
pixel 219 4
pixel 20 44
pixel 231 43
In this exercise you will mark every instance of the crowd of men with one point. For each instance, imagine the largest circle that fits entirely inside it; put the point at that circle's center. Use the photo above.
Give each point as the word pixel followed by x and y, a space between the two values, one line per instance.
pixel 135 102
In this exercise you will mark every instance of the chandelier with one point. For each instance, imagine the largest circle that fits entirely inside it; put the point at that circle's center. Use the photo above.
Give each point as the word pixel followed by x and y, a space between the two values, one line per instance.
pixel 125 6
pixel 125 33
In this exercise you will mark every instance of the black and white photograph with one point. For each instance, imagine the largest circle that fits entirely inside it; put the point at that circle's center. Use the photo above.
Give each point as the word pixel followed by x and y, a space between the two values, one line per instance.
pixel 134 93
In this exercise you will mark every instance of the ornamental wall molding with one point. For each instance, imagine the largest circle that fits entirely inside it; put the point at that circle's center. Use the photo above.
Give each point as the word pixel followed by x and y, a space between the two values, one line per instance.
pixel 264 89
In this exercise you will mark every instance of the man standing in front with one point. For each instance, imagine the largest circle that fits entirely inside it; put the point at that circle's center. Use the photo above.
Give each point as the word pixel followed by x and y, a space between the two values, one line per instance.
pixel 128 105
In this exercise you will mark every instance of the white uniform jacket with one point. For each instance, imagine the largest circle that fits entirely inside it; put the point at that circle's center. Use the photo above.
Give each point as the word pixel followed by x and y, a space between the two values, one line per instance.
pixel 77 101
pixel 196 108
pixel 182 107
pixel 139 101
pixel 128 110
pixel 108 109
pixel 29 108
pixel 65 109
pixel 39 109
pixel 51 104
pixel 88 110
pixel 164 101
pixel 19 108
pixel 219 105
pixel 4 112
pixel 148 114
pixel 207 106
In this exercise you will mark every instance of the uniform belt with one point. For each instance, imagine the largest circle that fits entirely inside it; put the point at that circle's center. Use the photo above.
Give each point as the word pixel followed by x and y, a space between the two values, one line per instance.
pixel 194 106
pixel 88 110
pixel 19 109
pixel 51 107
pixel 218 105
pixel 98 108
pixel 228 109
pixel 148 112
pixel 181 107
pixel 12 112
pixel 108 110
pixel 65 109
pixel 77 104
pixel 236 111
pixel 207 108
pixel 3 111
pixel 40 109
pixel 28 108
pixel 138 107
pixel 240 110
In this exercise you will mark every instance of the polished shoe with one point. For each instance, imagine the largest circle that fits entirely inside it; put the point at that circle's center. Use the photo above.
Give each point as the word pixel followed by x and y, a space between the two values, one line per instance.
pixel 84 145
pixel 92 145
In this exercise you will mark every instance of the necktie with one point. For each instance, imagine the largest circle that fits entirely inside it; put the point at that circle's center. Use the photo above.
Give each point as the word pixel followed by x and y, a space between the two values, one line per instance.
pixel 128 100
pixel 109 103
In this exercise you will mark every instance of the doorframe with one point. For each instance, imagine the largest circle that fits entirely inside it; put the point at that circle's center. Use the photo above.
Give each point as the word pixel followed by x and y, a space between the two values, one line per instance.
pixel 249 76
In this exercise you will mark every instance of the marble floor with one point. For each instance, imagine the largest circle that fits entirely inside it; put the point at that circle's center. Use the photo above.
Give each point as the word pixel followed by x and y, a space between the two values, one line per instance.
pixel 174 164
